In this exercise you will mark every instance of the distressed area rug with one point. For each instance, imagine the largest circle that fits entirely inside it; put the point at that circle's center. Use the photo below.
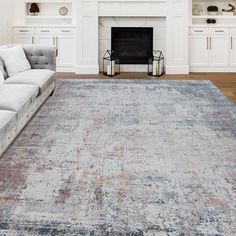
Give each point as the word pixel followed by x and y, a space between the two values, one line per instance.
pixel 134 158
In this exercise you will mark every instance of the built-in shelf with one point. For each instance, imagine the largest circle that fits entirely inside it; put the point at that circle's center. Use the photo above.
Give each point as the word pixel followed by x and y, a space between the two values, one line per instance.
pixel 48 17
pixel 215 17
pixel 49 12
pixel 49 1
pixel 221 18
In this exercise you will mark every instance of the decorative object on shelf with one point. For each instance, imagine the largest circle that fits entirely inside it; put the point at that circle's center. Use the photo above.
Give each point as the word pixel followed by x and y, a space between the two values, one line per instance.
pixel 63 11
pixel 213 10
pixel 197 10
pixel 34 9
pixel 229 12
pixel 111 64
pixel 211 21
pixel 156 64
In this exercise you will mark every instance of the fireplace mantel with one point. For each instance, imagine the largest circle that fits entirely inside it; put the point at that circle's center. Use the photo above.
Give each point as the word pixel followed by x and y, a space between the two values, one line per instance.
pixel 133 8
pixel 176 14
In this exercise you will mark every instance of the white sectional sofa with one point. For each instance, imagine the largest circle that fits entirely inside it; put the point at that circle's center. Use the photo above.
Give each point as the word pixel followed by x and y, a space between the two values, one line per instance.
pixel 22 94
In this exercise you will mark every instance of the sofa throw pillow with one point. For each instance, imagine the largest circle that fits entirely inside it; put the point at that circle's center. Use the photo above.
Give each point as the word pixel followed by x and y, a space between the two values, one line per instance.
pixel 3 68
pixel 2 79
pixel 15 60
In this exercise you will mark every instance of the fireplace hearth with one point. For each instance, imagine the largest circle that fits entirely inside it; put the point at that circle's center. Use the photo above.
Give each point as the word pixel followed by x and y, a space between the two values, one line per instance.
pixel 132 45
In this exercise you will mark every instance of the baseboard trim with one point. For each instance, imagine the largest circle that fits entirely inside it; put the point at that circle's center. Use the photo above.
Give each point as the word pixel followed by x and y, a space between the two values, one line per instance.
pixel 66 69
pixel 177 70
pixel 86 70
pixel 213 69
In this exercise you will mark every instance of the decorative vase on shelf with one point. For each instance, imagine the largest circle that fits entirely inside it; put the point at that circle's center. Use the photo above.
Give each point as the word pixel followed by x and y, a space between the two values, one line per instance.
pixel 197 10
pixel 229 12
pixel 34 9
pixel 212 10
pixel 63 11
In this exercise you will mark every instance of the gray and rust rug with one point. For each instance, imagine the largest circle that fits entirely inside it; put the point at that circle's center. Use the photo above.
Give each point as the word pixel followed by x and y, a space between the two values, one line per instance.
pixel 130 158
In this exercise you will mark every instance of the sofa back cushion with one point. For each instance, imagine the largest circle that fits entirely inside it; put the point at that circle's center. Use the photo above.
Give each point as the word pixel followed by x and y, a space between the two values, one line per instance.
pixel 15 60
pixel 3 68
pixel 41 57
pixel 2 79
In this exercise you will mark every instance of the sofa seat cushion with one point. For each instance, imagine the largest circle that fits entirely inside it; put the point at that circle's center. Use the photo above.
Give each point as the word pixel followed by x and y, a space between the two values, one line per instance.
pixel 38 77
pixel 7 121
pixel 17 97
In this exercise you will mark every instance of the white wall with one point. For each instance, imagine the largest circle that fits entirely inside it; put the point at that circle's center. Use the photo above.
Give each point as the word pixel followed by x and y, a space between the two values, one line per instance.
pixel 19 12
pixel 6 14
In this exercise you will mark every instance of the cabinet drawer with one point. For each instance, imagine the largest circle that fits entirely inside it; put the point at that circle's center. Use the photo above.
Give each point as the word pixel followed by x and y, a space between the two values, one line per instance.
pixel 23 31
pixel 233 31
pixel 198 31
pixel 45 31
pixel 219 31
pixel 65 30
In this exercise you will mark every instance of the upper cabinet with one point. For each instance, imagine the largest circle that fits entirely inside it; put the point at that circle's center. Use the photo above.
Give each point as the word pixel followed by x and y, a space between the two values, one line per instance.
pixel 54 12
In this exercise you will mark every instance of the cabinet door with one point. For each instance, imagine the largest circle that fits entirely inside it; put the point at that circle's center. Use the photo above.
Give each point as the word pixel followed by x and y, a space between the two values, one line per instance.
pixel 198 50
pixel 24 39
pixel 47 40
pixel 233 50
pixel 219 50
pixel 66 50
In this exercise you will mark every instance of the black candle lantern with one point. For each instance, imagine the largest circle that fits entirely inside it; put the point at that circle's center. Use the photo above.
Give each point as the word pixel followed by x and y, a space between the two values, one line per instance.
pixel 111 65
pixel 156 64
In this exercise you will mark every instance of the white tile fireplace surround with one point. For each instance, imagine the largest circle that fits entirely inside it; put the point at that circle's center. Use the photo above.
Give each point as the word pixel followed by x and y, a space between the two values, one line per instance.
pixel 106 23
pixel 169 18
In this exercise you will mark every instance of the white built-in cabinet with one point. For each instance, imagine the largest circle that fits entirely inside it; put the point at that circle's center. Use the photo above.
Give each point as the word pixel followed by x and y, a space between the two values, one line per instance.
pixel 233 47
pixel 212 49
pixel 62 38
pixel 219 50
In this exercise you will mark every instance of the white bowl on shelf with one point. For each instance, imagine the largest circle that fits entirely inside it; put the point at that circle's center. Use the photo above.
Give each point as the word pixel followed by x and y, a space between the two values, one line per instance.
pixel 225 13
pixel 212 13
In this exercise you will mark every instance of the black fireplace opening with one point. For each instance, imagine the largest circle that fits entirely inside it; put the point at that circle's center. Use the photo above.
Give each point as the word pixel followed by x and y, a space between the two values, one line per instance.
pixel 132 45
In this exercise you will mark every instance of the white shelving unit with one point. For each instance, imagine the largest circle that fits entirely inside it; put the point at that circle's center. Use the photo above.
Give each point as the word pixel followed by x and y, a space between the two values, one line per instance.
pixel 215 17
pixel 50 28
pixel 49 12
pixel 212 47
pixel 221 19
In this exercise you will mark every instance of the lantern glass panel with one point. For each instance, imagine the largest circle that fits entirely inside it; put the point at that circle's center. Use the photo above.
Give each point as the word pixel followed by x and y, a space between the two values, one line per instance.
pixel 111 66
pixel 156 64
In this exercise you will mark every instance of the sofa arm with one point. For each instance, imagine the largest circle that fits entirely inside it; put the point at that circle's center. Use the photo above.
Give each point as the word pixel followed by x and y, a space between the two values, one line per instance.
pixel 41 57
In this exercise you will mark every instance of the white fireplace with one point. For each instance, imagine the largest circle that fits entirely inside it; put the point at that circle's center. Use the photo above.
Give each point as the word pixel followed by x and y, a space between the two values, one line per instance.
pixel 169 19
pixel 159 36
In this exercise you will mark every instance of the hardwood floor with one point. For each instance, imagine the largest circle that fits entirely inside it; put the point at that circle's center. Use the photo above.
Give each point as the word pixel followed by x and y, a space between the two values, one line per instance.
pixel 226 82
